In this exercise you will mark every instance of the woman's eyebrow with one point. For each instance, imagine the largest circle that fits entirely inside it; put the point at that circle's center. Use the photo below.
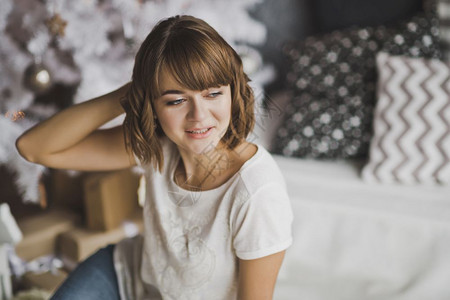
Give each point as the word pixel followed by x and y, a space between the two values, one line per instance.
pixel 178 92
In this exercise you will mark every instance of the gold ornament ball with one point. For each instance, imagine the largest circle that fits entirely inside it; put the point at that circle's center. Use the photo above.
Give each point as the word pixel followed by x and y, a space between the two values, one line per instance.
pixel 37 78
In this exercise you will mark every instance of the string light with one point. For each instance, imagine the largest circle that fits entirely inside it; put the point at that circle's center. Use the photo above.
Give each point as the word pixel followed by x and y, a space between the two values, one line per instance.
pixel 15 115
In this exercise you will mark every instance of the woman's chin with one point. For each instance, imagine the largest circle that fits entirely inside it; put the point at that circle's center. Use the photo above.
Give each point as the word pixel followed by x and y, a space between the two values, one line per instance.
pixel 200 147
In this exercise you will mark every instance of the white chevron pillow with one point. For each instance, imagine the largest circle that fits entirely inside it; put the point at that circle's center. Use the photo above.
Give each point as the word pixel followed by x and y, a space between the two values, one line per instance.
pixel 411 140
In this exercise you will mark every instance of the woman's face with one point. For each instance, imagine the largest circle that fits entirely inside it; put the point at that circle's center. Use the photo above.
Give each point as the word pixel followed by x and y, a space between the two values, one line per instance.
pixel 194 120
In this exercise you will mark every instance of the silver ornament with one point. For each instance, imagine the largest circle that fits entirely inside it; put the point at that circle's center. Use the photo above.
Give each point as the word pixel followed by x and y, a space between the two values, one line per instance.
pixel 37 78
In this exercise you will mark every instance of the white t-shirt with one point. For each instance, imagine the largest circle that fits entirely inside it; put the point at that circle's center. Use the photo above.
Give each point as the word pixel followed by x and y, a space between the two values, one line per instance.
pixel 192 240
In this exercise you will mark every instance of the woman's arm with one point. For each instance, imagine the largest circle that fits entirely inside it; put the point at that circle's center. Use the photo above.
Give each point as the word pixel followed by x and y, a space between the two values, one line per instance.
pixel 257 277
pixel 71 139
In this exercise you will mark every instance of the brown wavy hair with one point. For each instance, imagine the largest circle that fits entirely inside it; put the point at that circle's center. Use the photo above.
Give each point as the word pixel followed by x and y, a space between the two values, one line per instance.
pixel 198 58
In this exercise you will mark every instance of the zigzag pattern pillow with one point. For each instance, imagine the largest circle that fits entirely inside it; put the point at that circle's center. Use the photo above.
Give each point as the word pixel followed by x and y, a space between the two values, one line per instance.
pixel 411 142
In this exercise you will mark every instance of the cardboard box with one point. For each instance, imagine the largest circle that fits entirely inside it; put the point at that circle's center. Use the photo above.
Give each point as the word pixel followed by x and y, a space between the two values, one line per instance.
pixel 46 281
pixel 40 232
pixel 79 243
pixel 110 198
pixel 65 190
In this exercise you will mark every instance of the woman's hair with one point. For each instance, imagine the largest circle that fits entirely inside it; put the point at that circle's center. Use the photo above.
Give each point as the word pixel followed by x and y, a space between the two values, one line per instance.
pixel 198 58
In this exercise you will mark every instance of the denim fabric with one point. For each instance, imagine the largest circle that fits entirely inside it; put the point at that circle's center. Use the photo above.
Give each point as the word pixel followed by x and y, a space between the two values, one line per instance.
pixel 94 278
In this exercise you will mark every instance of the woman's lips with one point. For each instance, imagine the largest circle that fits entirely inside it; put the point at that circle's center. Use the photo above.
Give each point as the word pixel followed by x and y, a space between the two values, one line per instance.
pixel 199 133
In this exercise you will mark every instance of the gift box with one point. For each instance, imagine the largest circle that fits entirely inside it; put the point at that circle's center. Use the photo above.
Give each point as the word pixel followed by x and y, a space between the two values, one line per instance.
pixel 110 198
pixel 40 232
pixel 65 189
pixel 47 281
pixel 79 243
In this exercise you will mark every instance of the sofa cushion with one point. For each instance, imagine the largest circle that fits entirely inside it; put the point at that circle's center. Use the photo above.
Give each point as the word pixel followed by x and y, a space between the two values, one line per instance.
pixel 411 142
pixel 417 36
pixel 332 79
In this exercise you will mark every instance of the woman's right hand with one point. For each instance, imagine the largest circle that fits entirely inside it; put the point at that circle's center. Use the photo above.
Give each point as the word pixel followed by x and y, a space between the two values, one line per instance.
pixel 71 139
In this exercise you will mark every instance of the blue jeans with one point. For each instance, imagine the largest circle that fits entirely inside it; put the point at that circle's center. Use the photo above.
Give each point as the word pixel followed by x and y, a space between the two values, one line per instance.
pixel 94 278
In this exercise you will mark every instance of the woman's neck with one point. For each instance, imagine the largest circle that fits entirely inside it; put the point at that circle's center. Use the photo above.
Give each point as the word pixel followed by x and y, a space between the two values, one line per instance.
pixel 210 170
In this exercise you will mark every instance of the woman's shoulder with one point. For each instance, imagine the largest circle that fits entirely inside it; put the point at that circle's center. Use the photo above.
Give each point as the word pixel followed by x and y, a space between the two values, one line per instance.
pixel 260 169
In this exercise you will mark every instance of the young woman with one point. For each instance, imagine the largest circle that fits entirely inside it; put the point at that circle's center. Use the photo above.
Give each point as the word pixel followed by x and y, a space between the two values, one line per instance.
pixel 217 216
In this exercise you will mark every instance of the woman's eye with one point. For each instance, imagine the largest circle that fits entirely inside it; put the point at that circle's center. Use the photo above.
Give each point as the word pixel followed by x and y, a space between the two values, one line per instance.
pixel 214 94
pixel 175 102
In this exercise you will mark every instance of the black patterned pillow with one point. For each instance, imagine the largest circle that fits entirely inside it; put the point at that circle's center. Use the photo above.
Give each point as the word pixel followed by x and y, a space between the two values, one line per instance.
pixel 416 37
pixel 332 79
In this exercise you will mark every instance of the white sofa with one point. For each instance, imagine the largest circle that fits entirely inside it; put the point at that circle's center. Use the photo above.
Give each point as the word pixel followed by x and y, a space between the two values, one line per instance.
pixel 354 240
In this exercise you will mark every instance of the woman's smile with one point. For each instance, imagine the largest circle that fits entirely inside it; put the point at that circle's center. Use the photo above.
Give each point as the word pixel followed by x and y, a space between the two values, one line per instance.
pixel 198 133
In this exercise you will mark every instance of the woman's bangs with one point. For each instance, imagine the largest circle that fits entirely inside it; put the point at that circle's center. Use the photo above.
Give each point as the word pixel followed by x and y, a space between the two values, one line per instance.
pixel 198 68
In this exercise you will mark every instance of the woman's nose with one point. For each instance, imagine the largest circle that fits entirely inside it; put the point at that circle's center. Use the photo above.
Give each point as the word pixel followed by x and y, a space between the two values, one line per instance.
pixel 197 110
